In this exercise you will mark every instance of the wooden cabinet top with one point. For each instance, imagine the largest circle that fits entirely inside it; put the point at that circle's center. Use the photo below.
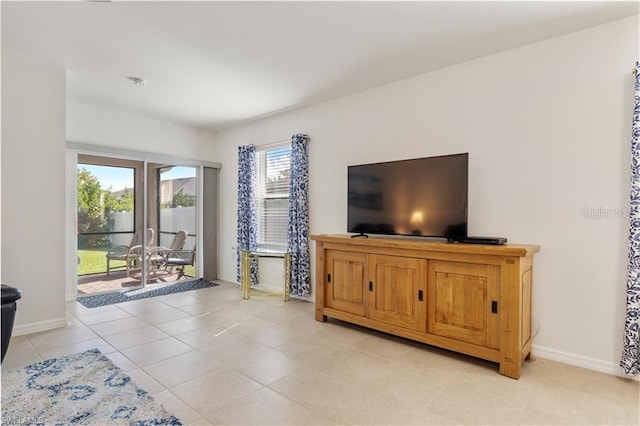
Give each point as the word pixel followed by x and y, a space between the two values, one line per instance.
pixel 409 243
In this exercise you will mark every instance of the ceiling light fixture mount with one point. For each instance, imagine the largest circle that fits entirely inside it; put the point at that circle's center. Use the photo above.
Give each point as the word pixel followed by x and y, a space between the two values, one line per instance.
pixel 138 81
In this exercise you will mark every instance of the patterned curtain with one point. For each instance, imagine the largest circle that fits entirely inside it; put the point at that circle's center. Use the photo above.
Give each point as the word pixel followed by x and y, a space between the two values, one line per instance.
pixel 630 361
pixel 298 232
pixel 247 224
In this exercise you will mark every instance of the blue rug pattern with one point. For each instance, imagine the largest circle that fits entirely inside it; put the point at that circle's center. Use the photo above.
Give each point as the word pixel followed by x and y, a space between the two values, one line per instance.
pixel 152 291
pixel 81 389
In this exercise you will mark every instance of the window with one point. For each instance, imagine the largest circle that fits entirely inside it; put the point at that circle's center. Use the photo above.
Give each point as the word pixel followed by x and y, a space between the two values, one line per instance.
pixel 272 197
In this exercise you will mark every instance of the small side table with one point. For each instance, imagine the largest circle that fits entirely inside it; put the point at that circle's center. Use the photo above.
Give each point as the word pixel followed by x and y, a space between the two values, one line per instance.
pixel 245 271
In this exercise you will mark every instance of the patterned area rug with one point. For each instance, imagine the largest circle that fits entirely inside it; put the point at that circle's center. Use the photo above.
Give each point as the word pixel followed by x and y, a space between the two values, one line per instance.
pixel 151 291
pixel 84 388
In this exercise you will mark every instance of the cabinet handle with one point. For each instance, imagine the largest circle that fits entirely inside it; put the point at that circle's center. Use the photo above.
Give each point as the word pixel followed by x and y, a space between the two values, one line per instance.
pixel 328 278
pixel 494 306
pixel 420 295
pixel 370 285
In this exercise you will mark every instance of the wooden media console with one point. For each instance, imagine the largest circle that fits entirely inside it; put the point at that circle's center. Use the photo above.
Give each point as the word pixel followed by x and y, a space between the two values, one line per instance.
pixel 469 298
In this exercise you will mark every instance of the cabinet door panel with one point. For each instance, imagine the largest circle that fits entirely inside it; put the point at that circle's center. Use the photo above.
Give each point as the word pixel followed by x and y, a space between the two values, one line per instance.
pixel 344 285
pixel 460 302
pixel 396 283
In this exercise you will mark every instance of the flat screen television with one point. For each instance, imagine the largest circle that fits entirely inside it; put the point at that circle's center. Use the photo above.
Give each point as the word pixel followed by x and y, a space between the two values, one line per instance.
pixel 421 197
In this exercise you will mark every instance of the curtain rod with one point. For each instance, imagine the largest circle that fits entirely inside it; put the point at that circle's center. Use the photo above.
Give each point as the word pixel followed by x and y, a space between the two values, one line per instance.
pixel 267 145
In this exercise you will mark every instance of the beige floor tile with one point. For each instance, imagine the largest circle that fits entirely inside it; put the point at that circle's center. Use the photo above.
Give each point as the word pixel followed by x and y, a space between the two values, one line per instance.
pixel 138 309
pixel 124 363
pixel 632 411
pixel 74 348
pixel 178 408
pixel 437 362
pixel 118 326
pixel 180 299
pixel 273 336
pixel 19 343
pixel 355 366
pixel 145 381
pixel 212 391
pixel 61 337
pixel 198 309
pixel 78 310
pixel 563 400
pixel 265 407
pixel 135 337
pixel 535 417
pixel 73 322
pixel 213 335
pixel 310 349
pixel 168 314
pixel 468 407
pixel 264 367
pixel 150 353
pixel 342 333
pixel 401 396
pixel 182 368
pixel 20 353
pixel 262 361
pixel 183 325
pixel 282 313
pixel 250 324
pixel 103 316
pixel 14 361
pixel 384 346
pixel 321 391
pixel 228 347
pixel 584 380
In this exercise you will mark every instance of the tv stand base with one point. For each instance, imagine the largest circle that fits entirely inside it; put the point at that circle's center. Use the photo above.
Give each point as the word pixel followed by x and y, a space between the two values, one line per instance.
pixel 360 235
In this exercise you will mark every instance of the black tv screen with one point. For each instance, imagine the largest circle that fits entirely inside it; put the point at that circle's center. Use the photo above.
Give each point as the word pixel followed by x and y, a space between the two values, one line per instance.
pixel 422 196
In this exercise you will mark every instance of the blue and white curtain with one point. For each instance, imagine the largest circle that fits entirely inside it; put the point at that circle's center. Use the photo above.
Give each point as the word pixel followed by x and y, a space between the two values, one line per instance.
pixel 630 361
pixel 298 231
pixel 247 224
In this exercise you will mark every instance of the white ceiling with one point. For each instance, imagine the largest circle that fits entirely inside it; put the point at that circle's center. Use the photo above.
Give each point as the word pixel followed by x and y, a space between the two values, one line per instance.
pixel 215 64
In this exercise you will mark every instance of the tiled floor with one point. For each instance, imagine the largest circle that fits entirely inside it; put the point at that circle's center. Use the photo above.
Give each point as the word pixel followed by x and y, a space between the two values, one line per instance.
pixel 212 358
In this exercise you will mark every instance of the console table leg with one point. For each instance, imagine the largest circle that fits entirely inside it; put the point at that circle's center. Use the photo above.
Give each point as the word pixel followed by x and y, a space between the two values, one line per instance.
pixel 287 277
pixel 245 274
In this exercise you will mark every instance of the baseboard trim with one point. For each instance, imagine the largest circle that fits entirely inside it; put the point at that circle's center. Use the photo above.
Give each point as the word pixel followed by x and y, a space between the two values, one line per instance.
pixel 34 327
pixel 581 361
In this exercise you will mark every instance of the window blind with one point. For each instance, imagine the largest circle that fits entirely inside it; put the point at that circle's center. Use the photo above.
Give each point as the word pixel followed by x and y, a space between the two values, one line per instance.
pixel 272 196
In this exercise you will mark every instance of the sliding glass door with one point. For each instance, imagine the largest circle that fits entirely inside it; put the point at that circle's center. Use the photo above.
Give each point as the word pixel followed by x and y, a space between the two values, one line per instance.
pixel 177 218
pixel 110 233
pixel 137 223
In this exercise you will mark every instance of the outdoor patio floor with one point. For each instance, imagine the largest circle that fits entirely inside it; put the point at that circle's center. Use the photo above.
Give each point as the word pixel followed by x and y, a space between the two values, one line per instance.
pixel 116 281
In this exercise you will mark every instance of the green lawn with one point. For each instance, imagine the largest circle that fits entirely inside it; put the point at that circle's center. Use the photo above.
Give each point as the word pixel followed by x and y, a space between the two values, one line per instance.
pixel 94 261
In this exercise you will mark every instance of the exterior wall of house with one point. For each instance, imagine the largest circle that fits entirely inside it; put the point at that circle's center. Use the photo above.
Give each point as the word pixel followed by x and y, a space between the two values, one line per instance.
pixel 547 127
pixel 33 190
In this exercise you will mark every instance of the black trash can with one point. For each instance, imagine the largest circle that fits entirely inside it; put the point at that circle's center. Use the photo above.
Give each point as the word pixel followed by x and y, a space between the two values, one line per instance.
pixel 9 297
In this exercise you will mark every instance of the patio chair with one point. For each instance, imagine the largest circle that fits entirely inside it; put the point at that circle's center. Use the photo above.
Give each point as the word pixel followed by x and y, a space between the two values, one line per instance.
pixel 157 256
pixel 180 259
pixel 131 253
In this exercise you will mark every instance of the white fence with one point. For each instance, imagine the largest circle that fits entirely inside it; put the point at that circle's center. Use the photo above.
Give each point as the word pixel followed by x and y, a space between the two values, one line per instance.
pixel 171 220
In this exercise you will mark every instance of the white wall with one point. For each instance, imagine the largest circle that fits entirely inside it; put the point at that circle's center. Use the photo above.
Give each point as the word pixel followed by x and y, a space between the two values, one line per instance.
pixel 91 124
pixel 33 164
pixel 547 127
